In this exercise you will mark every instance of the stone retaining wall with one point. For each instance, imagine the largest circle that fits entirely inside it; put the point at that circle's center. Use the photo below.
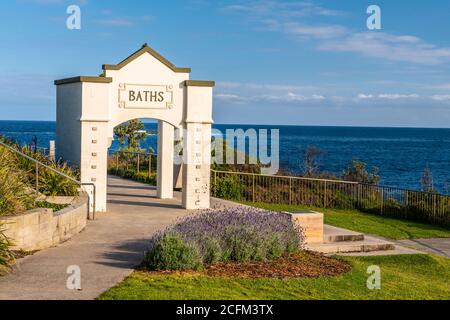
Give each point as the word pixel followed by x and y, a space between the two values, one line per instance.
pixel 42 228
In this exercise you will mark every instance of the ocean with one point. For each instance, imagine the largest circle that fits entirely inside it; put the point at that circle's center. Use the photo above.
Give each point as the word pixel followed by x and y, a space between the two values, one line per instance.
pixel 401 154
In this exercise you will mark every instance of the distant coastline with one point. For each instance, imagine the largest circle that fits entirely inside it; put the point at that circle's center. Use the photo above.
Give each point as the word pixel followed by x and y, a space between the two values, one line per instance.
pixel 277 125
pixel 401 154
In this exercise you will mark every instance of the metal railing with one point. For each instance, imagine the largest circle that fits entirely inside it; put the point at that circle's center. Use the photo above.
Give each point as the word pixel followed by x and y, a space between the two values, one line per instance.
pixel 133 160
pixel 81 184
pixel 388 201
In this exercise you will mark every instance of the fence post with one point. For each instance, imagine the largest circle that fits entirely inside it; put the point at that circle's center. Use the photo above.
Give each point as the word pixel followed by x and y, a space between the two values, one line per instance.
pixel 290 190
pixel 359 197
pixel 138 164
pixel 325 195
pixel 149 165
pixel 253 191
pixel 215 183
pixel 434 207
pixel 382 200
pixel 37 177
pixel 117 162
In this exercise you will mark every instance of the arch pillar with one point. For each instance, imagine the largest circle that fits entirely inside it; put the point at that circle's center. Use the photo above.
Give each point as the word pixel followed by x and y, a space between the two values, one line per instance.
pixel 197 145
pixel 165 160
pixel 196 167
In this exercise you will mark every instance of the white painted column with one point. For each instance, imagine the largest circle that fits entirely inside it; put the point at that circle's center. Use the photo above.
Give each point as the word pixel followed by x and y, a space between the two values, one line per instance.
pixel 165 160
pixel 196 169
pixel 94 157
pixel 51 152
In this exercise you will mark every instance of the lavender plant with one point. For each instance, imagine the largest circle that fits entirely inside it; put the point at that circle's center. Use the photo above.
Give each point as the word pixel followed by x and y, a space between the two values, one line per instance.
pixel 232 234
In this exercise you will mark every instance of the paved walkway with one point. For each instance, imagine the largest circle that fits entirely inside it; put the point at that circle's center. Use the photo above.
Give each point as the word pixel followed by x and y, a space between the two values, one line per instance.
pixel 106 251
pixel 439 246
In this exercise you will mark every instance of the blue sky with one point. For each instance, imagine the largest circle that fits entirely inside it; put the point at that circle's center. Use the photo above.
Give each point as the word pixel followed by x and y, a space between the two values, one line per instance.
pixel 275 62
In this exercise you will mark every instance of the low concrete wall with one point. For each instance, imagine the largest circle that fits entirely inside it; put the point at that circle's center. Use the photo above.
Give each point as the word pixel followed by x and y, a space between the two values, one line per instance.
pixel 42 228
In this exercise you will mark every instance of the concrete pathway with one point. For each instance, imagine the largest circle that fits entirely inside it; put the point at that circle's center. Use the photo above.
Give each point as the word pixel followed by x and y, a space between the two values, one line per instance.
pixel 439 246
pixel 106 251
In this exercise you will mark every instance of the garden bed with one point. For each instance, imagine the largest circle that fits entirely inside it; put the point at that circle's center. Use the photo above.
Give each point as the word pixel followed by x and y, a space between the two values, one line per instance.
pixel 299 265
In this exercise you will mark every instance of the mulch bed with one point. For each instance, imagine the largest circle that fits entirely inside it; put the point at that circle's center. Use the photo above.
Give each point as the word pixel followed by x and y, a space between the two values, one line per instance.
pixel 300 265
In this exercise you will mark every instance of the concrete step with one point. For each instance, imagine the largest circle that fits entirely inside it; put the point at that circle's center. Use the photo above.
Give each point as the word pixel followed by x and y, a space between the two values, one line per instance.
pixel 334 234
pixel 367 245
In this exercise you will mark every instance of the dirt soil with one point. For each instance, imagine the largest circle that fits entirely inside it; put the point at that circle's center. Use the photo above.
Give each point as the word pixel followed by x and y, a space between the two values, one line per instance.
pixel 300 265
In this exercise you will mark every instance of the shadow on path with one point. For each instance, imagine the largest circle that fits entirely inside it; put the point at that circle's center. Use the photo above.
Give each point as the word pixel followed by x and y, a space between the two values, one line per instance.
pixel 146 204
pixel 127 254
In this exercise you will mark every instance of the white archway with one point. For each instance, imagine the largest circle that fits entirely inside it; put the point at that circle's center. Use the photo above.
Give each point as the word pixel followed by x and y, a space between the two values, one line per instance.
pixel 144 85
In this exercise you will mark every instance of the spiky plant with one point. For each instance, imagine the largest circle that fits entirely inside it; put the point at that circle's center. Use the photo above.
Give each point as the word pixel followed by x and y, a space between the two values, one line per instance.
pixel 54 184
pixel 6 256
pixel 15 195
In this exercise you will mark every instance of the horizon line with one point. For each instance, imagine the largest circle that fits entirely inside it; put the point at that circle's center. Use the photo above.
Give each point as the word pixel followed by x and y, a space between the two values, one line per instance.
pixel 282 125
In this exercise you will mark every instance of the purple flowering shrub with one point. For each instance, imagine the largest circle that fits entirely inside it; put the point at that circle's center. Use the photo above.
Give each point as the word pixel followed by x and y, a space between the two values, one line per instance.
pixel 232 234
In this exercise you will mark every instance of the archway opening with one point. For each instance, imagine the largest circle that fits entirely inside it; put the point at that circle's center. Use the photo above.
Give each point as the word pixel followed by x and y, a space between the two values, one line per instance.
pixel 140 164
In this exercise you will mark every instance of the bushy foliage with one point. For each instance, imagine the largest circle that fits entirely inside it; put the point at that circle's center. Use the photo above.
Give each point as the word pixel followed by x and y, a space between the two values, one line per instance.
pixel 130 135
pixel 219 161
pixel 426 180
pixel 228 187
pixel 171 252
pixel 54 184
pixel 311 163
pixel 234 234
pixel 132 174
pixel 357 171
pixel 15 195
pixel 6 255
pixel 18 179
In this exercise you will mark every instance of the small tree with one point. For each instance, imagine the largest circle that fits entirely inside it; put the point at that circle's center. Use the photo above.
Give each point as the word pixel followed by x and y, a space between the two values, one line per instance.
pixel 130 135
pixel 427 180
pixel 311 166
pixel 447 186
pixel 357 171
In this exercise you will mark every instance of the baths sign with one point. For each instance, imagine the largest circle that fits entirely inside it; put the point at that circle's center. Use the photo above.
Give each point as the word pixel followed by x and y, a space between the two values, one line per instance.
pixel 142 96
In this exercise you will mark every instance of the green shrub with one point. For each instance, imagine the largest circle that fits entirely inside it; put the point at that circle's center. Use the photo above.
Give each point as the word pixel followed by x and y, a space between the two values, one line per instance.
pixel 132 174
pixel 6 255
pixel 228 187
pixel 171 252
pixel 211 250
pixel 15 195
pixel 54 184
pixel 238 234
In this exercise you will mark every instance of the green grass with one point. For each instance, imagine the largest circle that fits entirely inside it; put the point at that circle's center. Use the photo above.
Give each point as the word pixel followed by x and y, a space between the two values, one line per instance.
pixel 48 205
pixel 402 277
pixel 368 223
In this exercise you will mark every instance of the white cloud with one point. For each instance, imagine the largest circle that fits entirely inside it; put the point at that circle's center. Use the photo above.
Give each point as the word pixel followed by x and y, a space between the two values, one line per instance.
pixel 117 22
pixel 395 96
pixel 309 31
pixel 403 48
pixel 441 97
pixel 363 96
pixel 291 97
pixel 278 17
pixel 389 96
pixel 234 92
pixel 285 9
pixel 122 22
pixel 262 86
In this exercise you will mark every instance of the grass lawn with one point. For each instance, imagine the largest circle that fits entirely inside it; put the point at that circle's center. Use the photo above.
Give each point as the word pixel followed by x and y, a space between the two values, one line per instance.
pixel 402 277
pixel 368 223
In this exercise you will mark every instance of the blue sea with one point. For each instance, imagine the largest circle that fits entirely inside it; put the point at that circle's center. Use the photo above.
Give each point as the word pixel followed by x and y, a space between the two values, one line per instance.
pixel 401 154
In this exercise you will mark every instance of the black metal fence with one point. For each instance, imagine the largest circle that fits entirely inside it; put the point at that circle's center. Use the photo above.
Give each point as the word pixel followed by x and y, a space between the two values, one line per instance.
pixel 394 202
